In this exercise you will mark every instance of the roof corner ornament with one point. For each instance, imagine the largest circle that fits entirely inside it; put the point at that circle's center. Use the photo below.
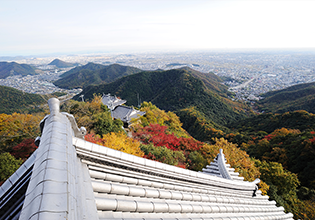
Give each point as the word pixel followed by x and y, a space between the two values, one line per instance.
pixel 256 181
pixel 221 151
pixel 37 141
pixel 78 132
pixel 221 164
pixel 219 167
pixel 54 107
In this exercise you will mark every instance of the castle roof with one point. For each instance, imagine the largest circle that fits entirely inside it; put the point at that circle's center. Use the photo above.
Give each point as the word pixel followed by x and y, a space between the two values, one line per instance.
pixel 70 178
pixel 126 113
pixel 112 101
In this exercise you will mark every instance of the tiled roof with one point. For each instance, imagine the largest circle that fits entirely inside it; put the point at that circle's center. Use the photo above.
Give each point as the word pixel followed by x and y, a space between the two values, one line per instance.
pixel 119 111
pixel 112 101
pixel 220 168
pixel 126 114
pixel 12 191
pixel 75 179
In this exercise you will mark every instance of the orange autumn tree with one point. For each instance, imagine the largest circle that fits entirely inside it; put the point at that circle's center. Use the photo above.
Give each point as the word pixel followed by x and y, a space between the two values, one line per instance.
pixel 13 130
pixel 117 141
pixel 17 127
pixel 236 157
pixel 154 115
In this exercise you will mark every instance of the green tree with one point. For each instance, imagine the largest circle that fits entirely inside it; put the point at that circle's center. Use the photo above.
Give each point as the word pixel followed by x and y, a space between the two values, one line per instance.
pixel 103 123
pixel 93 115
pixel 283 185
pixel 274 174
pixel 196 161
pixel 8 165
pixel 163 154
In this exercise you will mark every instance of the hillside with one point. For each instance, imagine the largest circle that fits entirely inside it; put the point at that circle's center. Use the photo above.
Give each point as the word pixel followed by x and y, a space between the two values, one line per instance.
pixel 61 64
pixel 211 81
pixel 13 100
pixel 170 90
pixel 13 68
pixel 269 122
pixel 298 97
pixel 89 66
pixel 93 74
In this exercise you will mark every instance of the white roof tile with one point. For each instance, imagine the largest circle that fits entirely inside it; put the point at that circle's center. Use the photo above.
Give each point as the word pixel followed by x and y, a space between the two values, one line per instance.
pixel 73 179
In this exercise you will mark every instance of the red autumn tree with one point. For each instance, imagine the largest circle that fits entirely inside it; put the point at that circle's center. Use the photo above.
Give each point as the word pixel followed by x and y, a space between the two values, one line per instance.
pixel 24 149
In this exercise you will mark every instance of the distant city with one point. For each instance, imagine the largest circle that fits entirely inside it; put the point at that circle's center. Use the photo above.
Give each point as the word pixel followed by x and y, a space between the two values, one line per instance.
pixel 248 74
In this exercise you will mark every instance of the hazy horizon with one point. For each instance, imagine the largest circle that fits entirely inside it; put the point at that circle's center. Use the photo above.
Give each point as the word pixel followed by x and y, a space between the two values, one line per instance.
pixel 35 28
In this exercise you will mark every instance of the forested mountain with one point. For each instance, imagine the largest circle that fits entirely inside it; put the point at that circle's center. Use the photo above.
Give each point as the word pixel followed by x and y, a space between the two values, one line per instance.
pixel 93 74
pixel 211 81
pixel 298 97
pixel 13 68
pixel 269 122
pixel 89 66
pixel 173 90
pixel 13 100
pixel 61 64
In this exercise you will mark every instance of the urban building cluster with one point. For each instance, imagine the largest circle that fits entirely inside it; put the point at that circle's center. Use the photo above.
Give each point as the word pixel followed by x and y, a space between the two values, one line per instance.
pixel 40 83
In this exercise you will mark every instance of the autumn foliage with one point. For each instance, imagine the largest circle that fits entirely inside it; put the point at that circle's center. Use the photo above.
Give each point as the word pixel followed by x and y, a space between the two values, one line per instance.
pixel 93 115
pixel 154 115
pixel 163 155
pixel 17 127
pixel 236 157
pixel 24 149
pixel 117 141
pixel 159 136
pixel 283 158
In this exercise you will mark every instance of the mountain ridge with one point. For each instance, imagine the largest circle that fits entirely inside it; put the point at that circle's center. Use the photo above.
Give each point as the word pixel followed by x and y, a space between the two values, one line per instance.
pixel 297 97
pixel 13 68
pixel 170 90
pixel 93 74
pixel 13 100
pixel 61 64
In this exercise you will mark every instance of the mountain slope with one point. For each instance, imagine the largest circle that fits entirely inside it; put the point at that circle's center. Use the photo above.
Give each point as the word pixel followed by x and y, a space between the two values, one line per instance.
pixel 89 66
pixel 61 64
pixel 212 81
pixel 13 100
pixel 298 97
pixel 13 68
pixel 170 90
pixel 269 122
pixel 93 74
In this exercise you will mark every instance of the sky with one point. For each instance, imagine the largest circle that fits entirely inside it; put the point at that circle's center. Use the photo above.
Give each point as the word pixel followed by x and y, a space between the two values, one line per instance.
pixel 39 27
